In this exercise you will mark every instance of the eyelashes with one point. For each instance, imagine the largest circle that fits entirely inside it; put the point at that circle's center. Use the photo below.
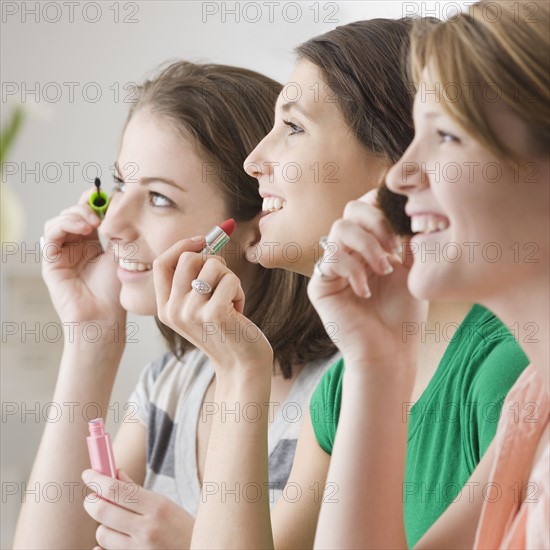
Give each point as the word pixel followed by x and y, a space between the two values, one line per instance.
pixel 295 129
pixel 445 137
pixel 118 184
pixel 155 199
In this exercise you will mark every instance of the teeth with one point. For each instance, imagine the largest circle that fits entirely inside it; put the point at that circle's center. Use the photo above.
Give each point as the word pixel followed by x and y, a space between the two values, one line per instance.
pixel 272 204
pixel 132 265
pixel 428 224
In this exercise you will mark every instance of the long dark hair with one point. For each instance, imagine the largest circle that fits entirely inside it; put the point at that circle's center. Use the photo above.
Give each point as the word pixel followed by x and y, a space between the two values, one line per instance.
pixel 226 111
pixel 365 65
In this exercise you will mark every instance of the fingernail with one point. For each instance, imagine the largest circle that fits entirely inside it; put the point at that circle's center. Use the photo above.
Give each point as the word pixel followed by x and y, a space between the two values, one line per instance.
pixel 92 218
pixel 367 293
pixel 198 238
pixel 386 266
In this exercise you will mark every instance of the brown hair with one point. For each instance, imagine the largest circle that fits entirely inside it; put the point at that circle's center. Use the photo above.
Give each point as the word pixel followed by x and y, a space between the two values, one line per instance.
pixel 225 112
pixel 364 64
pixel 492 46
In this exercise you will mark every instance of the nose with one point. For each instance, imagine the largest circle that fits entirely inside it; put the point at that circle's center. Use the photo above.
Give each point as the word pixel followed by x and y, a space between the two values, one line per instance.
pixel 122 217
pixel 255 164
pixel 407 175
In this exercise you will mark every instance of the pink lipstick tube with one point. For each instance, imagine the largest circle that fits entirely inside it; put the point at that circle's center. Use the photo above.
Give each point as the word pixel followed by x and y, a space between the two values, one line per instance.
pixel 100 448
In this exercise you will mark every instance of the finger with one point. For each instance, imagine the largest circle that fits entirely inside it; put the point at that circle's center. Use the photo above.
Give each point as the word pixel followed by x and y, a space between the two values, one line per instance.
pixel 123 476
pixel 211 272
pixel 111 515
pixel 344 265
pixel 84 211
pixel 60 230
pixel 165 266
pixel 124 493
pixel 85 196
pixel 228 290
pixel 112 539
pixel 371 218
pixel 348 236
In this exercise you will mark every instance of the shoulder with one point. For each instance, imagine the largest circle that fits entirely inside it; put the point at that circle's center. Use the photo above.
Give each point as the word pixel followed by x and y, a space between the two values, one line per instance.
pixel 157 366
pixel 502 361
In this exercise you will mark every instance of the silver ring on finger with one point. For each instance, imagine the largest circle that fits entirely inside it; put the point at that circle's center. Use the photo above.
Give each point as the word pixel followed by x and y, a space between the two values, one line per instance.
pixel 318 271
pixel 200 286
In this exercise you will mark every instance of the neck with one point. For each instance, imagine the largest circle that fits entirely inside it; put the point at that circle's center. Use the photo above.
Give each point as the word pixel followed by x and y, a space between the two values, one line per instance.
pixel 447 312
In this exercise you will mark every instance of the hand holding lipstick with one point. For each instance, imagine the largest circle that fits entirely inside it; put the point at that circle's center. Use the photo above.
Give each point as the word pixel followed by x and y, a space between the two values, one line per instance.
pixel 202 299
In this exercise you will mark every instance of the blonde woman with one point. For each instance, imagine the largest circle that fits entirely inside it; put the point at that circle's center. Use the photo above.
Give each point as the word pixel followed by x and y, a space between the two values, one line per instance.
pixel 489 118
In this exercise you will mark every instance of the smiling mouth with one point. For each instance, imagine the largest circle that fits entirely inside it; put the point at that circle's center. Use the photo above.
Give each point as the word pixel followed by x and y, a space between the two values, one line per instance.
pixel 133 265
pixel 427 223
pixel 273 204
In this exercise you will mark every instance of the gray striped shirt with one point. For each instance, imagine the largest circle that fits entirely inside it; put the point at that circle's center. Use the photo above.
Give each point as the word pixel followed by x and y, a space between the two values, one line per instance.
pixel 169 398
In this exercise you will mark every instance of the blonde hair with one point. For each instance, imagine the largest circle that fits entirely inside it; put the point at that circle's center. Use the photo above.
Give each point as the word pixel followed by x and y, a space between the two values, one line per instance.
pixel 494 51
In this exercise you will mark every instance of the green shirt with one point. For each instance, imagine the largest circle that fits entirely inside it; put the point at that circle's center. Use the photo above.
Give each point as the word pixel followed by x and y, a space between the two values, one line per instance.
pixel 453 422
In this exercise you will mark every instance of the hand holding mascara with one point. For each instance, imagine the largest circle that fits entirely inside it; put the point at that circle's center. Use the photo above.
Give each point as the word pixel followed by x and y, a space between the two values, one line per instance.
pixel 99 200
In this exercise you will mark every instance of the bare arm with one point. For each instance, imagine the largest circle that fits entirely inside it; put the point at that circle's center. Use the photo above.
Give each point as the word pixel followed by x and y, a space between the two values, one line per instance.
pixel 84 289
pixel 236 461
pixel 294 523
pixel 368 462
pixel 130 449
pixel 86 376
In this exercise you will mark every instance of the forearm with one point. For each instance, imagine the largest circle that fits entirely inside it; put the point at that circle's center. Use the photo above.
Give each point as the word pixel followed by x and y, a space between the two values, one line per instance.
pixel 368 461
pixel 83 389
pixel 235 493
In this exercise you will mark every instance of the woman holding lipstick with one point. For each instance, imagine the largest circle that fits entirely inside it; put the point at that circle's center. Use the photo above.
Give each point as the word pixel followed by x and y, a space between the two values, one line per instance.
pixel 348 136
pixel 179 173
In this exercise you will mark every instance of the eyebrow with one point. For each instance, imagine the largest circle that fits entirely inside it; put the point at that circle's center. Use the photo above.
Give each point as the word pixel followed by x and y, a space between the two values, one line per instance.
pixel 289 105
pixel 150 179
pixel 431 114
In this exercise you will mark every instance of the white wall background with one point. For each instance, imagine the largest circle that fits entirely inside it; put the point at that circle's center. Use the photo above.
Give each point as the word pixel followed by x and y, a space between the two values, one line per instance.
pixel 72 65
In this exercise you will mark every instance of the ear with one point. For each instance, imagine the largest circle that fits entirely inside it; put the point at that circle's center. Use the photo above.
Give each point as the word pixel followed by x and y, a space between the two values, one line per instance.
pixel 251 240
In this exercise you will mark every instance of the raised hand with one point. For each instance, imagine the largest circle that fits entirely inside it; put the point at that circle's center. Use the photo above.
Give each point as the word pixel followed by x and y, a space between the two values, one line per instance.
pixel 214 321
pixel 361 285
pixel 79 273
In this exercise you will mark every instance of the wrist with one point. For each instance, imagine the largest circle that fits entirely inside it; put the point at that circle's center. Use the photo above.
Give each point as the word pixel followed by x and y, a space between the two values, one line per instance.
pixel 241 380
pixel 95 333
pixel 393 368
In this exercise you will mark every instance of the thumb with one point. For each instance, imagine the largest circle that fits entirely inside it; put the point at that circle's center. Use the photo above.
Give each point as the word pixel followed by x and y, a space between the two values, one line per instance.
pixel 123 476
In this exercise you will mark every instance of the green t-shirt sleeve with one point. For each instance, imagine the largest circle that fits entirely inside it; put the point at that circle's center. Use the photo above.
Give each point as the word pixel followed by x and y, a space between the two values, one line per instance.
pixel 501 368
pixel 325 406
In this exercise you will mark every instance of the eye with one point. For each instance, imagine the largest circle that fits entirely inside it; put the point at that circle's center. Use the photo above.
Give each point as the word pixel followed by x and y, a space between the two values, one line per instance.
pixel 446 137
pixel 295 129
pixel 156 199
pixel 119 185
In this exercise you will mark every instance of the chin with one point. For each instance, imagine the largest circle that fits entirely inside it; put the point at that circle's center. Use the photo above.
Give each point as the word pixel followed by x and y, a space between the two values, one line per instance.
pixel 428 286
pixel 136 305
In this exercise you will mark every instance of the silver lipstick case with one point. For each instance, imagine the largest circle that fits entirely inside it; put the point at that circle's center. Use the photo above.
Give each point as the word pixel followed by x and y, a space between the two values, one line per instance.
pixel 215 241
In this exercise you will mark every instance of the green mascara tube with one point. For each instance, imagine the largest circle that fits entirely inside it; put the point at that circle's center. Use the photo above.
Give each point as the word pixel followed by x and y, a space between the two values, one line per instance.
pixel 99 200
